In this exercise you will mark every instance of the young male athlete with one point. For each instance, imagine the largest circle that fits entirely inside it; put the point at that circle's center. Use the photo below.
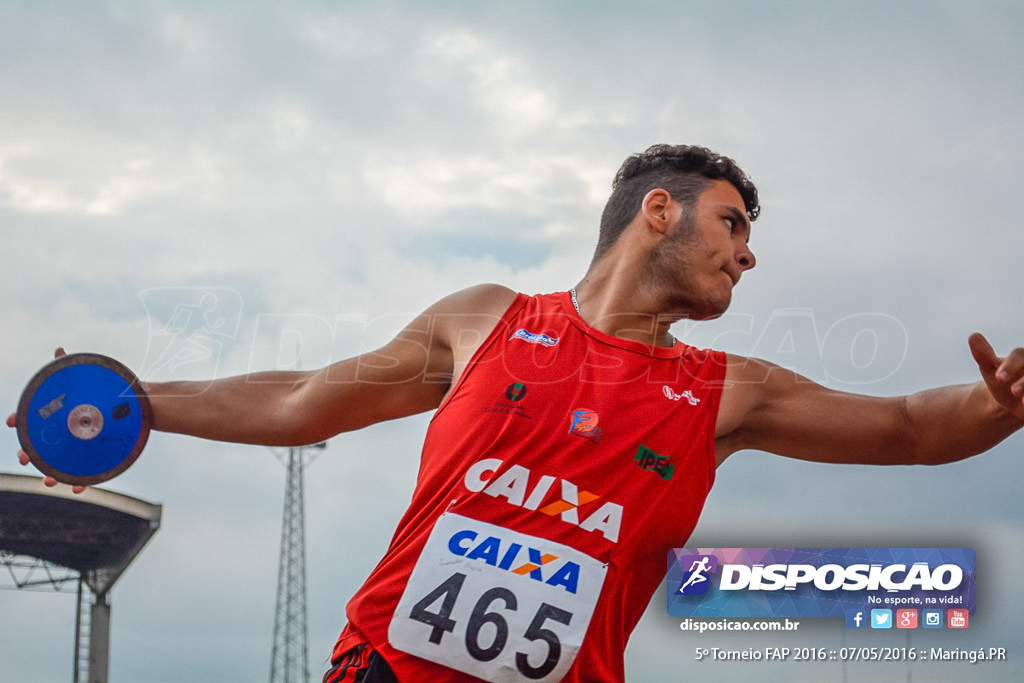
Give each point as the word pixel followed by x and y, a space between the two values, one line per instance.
pixel 575 440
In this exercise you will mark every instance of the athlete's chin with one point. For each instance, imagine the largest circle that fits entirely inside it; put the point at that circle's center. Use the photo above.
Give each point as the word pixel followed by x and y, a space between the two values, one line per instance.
pixel 710 310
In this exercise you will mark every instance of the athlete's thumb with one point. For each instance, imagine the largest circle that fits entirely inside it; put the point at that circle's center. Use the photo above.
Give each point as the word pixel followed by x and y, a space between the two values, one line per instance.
pixel 984 355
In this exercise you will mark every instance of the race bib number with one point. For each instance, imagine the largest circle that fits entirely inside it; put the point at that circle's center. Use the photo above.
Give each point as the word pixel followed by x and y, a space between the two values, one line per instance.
pixel 495 603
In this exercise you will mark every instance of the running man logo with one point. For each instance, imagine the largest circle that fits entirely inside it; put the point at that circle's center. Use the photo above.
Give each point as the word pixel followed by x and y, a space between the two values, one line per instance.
pixel 696 581
pixel 496 552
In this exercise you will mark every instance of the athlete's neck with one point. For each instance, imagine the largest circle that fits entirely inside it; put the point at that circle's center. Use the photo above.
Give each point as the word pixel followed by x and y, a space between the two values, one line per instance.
pixel 623 314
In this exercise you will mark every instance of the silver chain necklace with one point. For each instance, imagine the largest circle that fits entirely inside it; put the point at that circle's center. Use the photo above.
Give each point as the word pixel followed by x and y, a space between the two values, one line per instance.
pixel 576 305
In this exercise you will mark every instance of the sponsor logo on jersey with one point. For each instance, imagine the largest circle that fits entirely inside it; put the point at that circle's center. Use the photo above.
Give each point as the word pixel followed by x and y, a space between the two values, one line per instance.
pixel 533 337
pixel 662 465
pixel 517 559
pixel 673 396
pixel 520 487
pixel 515 392
pixel 510 404
pixel 583 422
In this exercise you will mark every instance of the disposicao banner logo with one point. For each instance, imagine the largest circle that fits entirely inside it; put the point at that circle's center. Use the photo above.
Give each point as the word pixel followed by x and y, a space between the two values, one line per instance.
pixel 817 582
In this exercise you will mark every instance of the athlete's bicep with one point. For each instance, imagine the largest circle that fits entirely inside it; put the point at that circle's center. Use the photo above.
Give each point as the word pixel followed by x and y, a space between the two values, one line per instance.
pixel 769 408
pixel 410 374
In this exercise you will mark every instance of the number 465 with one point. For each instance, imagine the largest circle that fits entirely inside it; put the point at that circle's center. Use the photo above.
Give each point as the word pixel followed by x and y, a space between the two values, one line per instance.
pixel 441 623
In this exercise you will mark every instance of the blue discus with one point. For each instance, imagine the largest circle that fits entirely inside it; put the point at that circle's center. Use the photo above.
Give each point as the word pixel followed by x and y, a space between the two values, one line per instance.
pixel 83 419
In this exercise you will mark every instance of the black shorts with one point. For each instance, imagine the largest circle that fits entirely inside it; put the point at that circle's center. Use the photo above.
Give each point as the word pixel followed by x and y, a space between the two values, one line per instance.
pixel 361 664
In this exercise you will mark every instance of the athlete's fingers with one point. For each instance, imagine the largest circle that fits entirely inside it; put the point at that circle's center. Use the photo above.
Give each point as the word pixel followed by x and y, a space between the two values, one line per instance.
pixel 1007 373
pixel 1004 377
pixel 51 482
pixel 984 355
pixel 12 421
pixel 1011 370
pixel 23 456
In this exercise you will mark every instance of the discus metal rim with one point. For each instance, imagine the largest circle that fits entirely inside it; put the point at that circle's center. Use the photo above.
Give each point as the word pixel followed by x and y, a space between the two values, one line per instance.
pixel 66 361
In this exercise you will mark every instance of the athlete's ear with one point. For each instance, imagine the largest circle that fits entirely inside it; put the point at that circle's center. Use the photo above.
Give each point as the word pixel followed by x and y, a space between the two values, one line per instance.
pixel 659 210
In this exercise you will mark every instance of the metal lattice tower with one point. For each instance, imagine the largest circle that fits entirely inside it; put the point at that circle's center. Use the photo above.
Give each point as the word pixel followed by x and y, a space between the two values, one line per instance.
pixel 289 658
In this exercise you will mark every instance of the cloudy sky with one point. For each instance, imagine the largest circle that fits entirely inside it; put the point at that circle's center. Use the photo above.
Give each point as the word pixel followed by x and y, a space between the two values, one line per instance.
pixel 205 189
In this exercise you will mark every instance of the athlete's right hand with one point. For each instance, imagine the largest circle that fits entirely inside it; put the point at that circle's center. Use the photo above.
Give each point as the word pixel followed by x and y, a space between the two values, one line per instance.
pixel 12 422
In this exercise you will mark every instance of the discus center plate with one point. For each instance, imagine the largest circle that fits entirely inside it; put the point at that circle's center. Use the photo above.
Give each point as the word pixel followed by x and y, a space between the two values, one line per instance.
pixel 83 419
pixel 85 422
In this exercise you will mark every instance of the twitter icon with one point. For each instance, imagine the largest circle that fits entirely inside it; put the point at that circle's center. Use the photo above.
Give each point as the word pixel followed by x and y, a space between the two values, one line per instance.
pixel 881 618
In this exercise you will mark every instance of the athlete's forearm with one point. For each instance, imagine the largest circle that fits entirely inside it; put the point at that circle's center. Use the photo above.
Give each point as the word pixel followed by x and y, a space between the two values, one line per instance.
pixel 956 422
pixel 775 410
pixel 257 409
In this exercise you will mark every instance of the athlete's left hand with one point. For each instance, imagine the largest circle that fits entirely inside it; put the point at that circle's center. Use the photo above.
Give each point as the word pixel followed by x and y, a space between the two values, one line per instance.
pixel 1004 377
pixel 23 458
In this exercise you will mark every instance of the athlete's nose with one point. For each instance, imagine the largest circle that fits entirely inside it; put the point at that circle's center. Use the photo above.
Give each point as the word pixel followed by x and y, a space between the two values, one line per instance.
pixel 745 258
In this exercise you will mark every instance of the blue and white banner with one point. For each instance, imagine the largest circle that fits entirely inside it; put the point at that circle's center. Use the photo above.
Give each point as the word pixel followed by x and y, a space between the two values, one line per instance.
pixel 818 582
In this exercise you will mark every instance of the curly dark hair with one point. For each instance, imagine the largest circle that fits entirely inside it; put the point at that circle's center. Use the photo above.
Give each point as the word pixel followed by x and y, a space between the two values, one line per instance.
pixel 683 170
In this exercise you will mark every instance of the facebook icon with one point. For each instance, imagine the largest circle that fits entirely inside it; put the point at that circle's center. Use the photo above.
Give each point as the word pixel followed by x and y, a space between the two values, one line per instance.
pixel 856 618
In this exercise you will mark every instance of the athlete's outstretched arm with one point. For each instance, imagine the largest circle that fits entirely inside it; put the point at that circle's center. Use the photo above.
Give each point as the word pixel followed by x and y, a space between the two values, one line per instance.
pixel 289 408
pixel 409 375
pixel 768 408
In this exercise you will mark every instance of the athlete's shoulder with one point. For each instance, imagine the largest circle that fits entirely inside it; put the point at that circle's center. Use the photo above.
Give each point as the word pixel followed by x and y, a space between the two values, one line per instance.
pixel 467 316
pixel 483 299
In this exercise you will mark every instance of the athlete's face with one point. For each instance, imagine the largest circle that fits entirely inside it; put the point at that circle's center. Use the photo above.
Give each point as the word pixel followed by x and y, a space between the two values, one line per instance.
pixel 705 252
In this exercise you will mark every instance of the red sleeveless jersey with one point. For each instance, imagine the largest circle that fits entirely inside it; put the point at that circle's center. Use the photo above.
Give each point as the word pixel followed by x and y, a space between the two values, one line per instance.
pixel 554 479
